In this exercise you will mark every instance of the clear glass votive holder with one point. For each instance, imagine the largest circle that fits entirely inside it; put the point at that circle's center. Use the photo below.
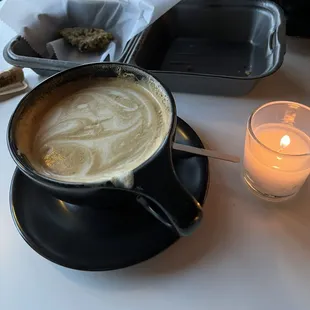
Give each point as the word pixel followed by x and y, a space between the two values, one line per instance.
pixel 277 150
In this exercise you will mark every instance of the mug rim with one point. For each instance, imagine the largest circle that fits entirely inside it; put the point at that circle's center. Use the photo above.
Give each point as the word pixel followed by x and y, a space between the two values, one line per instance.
pixel 258 141
pixel 34 174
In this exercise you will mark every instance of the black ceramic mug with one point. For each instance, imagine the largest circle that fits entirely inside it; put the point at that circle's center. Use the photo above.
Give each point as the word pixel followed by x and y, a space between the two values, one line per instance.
pixel 154 181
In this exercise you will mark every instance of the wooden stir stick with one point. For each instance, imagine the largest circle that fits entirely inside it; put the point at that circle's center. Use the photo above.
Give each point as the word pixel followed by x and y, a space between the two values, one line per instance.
pixel 204 152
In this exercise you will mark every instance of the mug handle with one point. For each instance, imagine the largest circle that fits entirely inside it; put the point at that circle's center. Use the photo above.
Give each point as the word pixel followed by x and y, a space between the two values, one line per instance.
pixel 174 206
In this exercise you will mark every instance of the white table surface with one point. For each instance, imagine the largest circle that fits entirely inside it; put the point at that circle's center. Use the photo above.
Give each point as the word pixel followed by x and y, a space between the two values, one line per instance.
pixel 247 254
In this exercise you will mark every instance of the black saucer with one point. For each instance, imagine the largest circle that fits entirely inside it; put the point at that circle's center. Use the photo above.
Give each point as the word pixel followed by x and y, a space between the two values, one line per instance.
pixel 100 238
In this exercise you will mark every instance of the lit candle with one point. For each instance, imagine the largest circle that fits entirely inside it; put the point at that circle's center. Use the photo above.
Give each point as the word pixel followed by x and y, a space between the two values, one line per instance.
pixel 276 157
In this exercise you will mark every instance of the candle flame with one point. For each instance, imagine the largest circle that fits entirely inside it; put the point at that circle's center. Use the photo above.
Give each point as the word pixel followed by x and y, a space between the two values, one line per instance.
pixel 285 141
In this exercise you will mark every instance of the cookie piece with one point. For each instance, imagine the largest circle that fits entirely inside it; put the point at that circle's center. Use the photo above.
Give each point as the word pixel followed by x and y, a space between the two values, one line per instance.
pixel 87 39
pixel 8 77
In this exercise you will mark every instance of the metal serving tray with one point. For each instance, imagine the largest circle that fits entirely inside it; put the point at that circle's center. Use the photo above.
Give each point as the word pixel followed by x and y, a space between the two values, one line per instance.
pixel 18 53
pixel 218 47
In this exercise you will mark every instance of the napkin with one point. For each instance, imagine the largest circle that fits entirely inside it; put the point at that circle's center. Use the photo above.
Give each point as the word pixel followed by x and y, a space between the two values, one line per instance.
pixel 39 23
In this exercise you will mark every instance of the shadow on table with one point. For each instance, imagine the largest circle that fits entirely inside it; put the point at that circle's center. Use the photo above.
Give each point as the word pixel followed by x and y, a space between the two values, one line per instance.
pixel 279 86
pixel 288 222
pixel 298 46
pixel 293 218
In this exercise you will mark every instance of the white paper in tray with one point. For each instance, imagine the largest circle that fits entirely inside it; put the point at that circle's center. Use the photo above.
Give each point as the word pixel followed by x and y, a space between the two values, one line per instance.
pixel 39 22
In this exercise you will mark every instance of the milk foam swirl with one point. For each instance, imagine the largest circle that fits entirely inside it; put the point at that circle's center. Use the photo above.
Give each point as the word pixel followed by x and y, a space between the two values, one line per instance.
pixel 105 129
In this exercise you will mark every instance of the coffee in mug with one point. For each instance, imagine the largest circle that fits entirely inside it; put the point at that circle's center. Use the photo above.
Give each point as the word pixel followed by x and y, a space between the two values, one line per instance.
pixel 94 130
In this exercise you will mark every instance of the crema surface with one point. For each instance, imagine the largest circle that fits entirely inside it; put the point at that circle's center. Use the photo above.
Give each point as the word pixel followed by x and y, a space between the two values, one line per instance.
pixel 94 130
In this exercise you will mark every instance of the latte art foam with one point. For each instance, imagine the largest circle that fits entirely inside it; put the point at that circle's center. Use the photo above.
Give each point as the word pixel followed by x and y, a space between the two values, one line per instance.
pixel 99 130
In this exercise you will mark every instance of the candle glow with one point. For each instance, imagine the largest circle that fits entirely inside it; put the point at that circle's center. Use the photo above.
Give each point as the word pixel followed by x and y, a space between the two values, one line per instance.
pixel 277 161
pixel 285 141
